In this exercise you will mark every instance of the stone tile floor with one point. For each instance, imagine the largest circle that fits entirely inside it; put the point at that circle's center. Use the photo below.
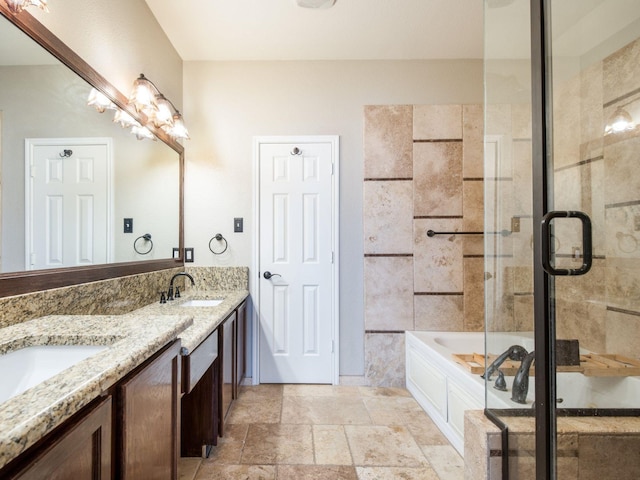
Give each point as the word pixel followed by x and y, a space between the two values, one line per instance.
pixel 317 432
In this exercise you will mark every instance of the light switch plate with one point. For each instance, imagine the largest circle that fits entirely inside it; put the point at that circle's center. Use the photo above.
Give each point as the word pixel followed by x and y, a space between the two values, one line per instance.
pixel 188 255
pixel 176 253
pixel 128 225
pixel 238 224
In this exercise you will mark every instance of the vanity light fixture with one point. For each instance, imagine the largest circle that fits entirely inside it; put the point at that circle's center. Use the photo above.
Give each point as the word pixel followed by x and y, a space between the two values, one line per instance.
pixel 620 121
pixel 124 119
pixel 16 6
pixel 161 112
pixel 99 101
pixel 142 133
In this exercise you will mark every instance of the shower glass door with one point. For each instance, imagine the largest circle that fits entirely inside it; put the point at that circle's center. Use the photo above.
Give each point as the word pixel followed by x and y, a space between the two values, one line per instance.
pixel 562 235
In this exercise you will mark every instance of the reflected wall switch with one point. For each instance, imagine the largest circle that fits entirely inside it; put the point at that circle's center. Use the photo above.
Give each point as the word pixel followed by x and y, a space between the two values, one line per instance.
pixel 176 253
pixel 515 224
pixel 128 225
pixel 188 255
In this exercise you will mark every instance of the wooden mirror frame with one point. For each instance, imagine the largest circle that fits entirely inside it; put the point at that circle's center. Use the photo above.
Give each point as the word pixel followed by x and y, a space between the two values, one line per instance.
pixel 16 283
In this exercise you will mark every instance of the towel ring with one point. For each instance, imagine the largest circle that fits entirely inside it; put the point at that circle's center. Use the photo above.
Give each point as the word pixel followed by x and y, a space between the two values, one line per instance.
pixel 219 238
pixel 146 237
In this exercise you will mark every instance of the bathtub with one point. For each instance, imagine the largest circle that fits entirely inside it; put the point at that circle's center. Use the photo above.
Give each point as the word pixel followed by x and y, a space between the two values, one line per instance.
pixel 445 389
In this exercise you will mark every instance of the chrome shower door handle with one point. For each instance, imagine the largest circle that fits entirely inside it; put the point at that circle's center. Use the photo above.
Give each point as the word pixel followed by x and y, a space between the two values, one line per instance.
pixel 587 257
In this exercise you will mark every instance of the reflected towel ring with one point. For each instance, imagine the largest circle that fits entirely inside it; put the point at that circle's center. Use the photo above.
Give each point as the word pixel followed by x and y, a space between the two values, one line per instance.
pixel 146 237
pixel 219 238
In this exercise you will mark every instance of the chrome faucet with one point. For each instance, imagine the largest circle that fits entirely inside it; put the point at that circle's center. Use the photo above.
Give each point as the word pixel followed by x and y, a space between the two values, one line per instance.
pixel 514 352
pixel 520 386
pixel 170 294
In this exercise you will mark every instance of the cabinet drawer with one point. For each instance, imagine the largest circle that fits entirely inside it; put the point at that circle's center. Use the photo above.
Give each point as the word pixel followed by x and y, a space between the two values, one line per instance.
pixel 198 362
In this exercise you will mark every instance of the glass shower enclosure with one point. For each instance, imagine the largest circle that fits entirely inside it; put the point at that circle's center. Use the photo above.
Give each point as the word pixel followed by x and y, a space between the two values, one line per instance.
pixel 562 236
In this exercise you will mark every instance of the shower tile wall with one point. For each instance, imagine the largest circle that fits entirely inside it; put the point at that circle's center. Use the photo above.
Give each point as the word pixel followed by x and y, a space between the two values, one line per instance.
pixel 423 170
pixel 602 308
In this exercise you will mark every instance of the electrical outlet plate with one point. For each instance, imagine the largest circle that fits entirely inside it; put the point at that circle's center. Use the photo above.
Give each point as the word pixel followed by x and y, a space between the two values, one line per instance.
pixel 176 253
pixel 188 255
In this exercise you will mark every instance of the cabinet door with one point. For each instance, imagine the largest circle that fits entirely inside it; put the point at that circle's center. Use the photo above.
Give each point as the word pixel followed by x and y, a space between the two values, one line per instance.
pixel 148 412
pixel 227 369
pixel 200 419
pixel 241 350
pixel 81 451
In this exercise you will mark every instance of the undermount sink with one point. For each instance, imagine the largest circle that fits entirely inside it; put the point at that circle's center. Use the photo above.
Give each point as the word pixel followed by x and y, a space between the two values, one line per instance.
pixel 209 302
pixel 29 366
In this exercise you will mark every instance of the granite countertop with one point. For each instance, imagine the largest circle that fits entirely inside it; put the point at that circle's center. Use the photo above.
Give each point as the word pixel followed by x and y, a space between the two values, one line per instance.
pixel 131 339
pixel 205 319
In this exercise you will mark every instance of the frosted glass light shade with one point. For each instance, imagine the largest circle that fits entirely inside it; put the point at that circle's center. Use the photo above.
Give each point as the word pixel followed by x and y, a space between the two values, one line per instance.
pixel 16 6
pixel 619 122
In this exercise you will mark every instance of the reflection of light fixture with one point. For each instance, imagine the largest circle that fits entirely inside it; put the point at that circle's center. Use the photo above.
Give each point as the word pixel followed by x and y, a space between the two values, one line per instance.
pixel 99 101
pixel 16 6
pixel 620 121
pixel 147 98
pixel 316 3
pixel 124 119
pixel 142 132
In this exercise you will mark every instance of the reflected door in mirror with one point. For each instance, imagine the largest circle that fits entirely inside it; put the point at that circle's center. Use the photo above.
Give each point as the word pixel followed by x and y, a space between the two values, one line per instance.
pixel 68 202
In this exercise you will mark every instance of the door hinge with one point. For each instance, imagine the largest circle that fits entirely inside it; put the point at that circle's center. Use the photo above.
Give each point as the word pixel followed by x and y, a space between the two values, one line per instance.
pixel 32 258
pixel 333 346
pixel 333 169
pixel 333 257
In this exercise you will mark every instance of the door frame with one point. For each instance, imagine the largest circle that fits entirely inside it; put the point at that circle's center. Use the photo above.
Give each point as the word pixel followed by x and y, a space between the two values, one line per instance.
pixel 254 284
pixel 29 144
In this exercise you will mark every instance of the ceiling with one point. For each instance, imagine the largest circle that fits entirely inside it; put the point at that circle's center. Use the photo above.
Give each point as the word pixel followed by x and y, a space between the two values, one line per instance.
pixel 211 30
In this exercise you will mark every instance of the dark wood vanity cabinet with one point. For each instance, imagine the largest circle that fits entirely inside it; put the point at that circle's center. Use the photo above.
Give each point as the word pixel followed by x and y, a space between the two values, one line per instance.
pixel 81 449
pixel 241 347
pixel 200 425
pixel 227 337
pixel 232 337
pixel 147 419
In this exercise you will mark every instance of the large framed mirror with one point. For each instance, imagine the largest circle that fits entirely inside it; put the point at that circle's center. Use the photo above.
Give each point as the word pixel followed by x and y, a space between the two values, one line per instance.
pixel 45 126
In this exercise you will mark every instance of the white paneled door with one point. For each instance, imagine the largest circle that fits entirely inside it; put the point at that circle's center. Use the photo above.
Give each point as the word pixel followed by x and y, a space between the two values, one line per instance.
pixel 67 202
pixel 297 260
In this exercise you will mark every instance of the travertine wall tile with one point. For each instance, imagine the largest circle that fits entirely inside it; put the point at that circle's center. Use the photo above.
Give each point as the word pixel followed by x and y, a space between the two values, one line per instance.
pixel 623 333
pixel 388 293
pixel 472 141
pixel 388 141
pixel 621 164
pixel 473 202
pixel 439 312
pixel 604 457
pixel 384 359
pixel 437 122
pixel 388 217
pixel 437 175
pixel 591 113
pixel 473 294
pixel 621 72
pixel 438 260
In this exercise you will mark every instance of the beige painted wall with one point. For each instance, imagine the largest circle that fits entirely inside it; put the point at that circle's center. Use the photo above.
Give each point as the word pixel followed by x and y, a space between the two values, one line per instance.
pixel 227 103
pixel 120 39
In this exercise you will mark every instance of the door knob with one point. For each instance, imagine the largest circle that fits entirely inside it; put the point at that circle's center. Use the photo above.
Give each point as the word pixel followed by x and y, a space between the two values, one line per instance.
pixel 268 275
